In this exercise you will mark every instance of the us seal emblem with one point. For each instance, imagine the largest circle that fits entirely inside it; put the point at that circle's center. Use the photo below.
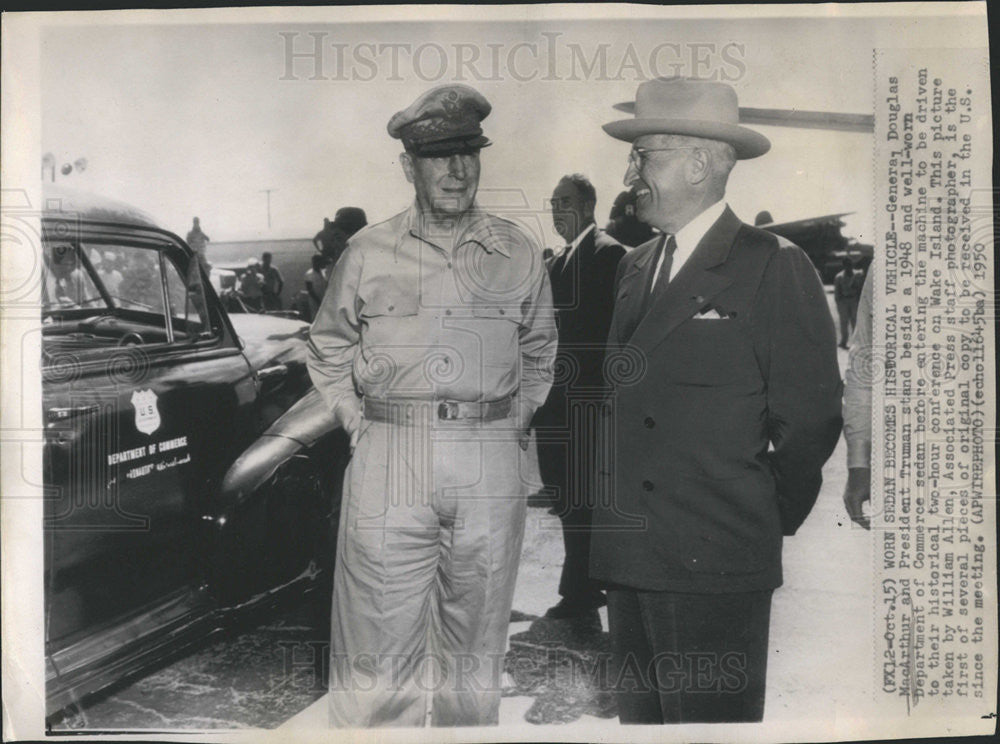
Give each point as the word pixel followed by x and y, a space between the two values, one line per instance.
pixel 147 414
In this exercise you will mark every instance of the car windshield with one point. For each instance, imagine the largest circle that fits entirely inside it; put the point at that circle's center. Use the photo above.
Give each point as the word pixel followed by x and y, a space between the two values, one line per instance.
pixel 140 283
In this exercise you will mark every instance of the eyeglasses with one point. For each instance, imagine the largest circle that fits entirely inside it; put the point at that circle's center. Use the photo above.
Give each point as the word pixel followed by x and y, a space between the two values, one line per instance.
pixel 637 156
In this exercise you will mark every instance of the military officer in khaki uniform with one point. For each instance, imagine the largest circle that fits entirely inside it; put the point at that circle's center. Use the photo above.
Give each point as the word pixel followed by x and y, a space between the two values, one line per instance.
pixel 434 345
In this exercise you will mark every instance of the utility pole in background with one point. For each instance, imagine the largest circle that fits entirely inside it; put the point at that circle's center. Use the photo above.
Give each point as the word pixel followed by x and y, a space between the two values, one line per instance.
pixel 268 192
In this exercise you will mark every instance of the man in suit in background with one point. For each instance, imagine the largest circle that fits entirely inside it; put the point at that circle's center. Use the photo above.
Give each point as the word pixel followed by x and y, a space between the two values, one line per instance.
pixel 581 277
pixel 718 437
pixel 847 294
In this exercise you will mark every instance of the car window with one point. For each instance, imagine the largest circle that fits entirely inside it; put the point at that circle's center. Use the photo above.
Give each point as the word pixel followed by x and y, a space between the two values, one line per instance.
pixel 100 294
pixel 140 288
pixel 187 299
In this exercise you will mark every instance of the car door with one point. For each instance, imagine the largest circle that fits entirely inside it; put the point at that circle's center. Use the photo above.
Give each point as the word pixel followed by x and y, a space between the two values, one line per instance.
pixel 147 400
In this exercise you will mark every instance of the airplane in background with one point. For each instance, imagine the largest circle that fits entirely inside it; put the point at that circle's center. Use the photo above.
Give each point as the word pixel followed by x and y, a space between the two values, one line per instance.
pixel 823 242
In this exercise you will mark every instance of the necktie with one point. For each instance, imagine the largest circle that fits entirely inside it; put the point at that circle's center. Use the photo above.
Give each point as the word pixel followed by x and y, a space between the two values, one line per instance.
pixel 565 257
pixel 660 281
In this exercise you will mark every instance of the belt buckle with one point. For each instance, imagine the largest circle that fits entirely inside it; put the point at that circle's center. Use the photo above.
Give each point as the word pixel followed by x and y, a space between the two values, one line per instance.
pixel 448 410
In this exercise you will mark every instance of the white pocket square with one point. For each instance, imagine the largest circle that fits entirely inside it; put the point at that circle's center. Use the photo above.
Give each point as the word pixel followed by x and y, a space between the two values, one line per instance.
pixel 710 314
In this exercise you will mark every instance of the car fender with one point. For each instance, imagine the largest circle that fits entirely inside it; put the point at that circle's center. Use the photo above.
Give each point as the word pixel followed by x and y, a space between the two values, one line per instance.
pixel 268 502
pixel 300 427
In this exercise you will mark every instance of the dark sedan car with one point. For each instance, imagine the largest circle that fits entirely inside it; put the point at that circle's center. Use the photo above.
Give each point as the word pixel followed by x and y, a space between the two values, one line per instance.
pixel 191 472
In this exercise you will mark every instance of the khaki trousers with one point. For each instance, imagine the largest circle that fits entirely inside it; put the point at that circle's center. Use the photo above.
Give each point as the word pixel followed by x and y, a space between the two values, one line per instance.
pixel 427 554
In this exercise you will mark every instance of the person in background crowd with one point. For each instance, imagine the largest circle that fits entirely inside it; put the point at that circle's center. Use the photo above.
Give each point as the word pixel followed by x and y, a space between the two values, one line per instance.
pixel 140 288
pixel 623 225
pixel 198 241
pixel 350 220
pixel 434 346
pixel 582 277
pixel 110 275
pixel 325 240
pixel 272 283
pixel 332 239
pixel 717 436
pixel 64 283
pixel 96 261
pixel 252 286
pixel 846 293
pixel 858 410
pixel 105 270
pixel 315 282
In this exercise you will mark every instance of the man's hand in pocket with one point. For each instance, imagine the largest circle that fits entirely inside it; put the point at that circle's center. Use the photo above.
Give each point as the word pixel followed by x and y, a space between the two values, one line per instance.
pixel 348 413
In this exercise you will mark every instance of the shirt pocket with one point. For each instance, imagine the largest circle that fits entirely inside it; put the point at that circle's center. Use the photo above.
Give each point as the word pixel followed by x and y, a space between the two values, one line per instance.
pixel 498 328
pixel 489 311
pixel 392 340
pixel 390 302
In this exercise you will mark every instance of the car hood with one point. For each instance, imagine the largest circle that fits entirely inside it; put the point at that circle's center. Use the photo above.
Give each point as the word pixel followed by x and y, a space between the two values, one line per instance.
pixel 270 340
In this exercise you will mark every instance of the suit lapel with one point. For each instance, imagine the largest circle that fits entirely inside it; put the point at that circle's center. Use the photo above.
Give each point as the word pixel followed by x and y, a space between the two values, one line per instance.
pixel 567 273
pixel 582 253
pixel 631 289
pixel 643 254
pixel 694 285
pixel 570 263
pixel 556 266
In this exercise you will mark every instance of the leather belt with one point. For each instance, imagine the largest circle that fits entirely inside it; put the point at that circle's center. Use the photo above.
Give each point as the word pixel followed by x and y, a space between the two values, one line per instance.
pixel 404 410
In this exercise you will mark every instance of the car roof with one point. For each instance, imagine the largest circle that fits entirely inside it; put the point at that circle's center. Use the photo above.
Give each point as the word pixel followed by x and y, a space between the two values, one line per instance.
pixel 61 202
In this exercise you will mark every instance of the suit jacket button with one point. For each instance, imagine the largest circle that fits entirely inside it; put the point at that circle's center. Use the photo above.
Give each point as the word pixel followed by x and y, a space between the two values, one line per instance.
pixel 647 485
pixel 649 422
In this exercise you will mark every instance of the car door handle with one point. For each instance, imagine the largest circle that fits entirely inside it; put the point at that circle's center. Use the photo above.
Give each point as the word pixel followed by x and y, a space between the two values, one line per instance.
pixel 62 413
pixel 269 373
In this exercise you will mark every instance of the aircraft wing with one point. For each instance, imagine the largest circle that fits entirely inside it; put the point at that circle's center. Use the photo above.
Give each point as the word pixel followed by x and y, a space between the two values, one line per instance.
pixel 837 121
pixel 809 222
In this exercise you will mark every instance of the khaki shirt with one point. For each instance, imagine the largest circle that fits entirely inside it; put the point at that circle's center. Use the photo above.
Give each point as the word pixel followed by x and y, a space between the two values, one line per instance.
pixel 463 314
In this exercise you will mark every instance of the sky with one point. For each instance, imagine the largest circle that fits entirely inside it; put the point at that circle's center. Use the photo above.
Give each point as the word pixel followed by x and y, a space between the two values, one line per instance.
pixel 201 119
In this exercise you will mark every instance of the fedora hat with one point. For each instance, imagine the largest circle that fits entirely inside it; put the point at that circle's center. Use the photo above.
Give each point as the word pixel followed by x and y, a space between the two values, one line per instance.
pixel 696 108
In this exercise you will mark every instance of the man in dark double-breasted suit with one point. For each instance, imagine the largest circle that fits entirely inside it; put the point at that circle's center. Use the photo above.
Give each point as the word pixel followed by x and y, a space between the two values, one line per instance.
pixel 726 404
pixel 582 277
